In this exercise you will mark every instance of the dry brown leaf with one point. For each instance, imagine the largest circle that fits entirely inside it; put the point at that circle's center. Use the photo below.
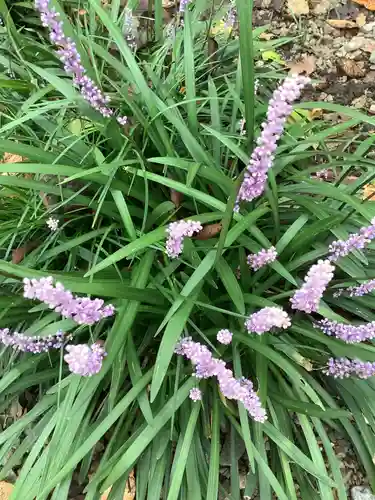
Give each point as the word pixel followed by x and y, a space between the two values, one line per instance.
pixel 266 36
pixel 305 65
pixel 369 192
pixel 352 68
pixel 18 254
pixel 342 23
pixel 369 4
pixel 209 231
pixel 6 490
pixel 129 493
pixel 316 113
pixel 361 20
pixel 298 7
pixel 176 197
pixel 11 158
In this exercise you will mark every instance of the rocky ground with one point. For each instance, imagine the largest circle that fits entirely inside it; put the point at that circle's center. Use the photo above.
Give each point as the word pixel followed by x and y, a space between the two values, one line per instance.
pixel 333 39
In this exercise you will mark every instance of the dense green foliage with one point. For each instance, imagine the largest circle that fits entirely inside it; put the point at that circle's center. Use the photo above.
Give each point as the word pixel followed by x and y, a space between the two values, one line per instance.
pixel 114 189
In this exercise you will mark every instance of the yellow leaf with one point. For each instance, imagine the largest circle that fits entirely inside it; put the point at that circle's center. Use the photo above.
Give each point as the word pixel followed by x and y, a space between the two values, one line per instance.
pixel 129 493
pixel 369 192
pixel 220 27
pixel 271 55
pixel 5 490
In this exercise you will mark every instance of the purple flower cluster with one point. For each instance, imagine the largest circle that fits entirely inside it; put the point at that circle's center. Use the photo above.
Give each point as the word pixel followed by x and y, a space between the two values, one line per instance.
pixel 357 291
pixel 231 16
pixel 351 334
pixel 35 344
pixel 267 318
pixel 85 360
pixel 307 298
pixel 279 109
pixel 344 368
pixel 207 366
pixel 356 241
pixel 177 231
pixel 195 394
pixel 69 56
pixel 224 336
pixel 183 5
pixel 262 258
pixel 82 310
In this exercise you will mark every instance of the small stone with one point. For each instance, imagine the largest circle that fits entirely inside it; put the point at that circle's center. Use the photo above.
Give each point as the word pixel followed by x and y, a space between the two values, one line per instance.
pixel 352 68
pixel 368 28
pixel 356 43
pixel 362 493
pixel 372 109
pixel 360 103
pixel 325 6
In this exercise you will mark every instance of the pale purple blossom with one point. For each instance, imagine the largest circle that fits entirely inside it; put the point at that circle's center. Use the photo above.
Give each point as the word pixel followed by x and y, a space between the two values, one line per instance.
pixel 85 360
pixel 357 291
pixel 344 368
pixel 52 224
pixel 350 334
pixel 224 336
pixel 183 5
pixel 195 394
pixel 230 17
pixel 82 310
pixel 34 344
pixel 207 366
pixel 307 298
pixel 70 57
pixel 177 231
pixel 129 28
pixel 356 241
pixel 280 107
pixel 262 258
pixel 122 120
pixel 267 318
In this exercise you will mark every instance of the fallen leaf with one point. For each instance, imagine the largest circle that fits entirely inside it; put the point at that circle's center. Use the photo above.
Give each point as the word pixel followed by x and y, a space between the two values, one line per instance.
pixel 298 7
pixel 361 20
pixel 266 36
pixel 369 192
pixel 369 4
pixel 316 113
pixel 11 158
pixel 271 55
pixel 342 23
pixel 352 68
pixel 18 254
pixel 129 493
pixel 305 65
pixel 176 197
pixel 209 231
pixel 6 490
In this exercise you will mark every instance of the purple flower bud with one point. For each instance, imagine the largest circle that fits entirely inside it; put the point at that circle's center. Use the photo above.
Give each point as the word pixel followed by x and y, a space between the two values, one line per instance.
pixel 85 360
pixel 195 394
pixel 261 161
pixel 177 231
pixel 307 298
pixel 69 56
pixel 207 366
pixel 356 241
pixel 224 336
pixel 262 258
pixel 82 310
pixel 266 319
pixel 344 368
pixel 36 344
pixel 350 334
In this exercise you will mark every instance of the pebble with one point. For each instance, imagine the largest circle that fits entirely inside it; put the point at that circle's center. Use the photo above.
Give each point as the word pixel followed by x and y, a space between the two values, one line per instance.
pixel 362 493
pixel 372 109
pixel 368 28
pixel 355 43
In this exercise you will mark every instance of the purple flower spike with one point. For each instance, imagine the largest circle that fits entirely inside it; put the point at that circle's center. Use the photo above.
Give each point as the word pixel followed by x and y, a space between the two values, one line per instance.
pixel 195 394
pixel 85 360
pixel 351 334
pixel 267 318
pixel 224 336
pixel 177 231
pixel 82 310
pixel 356 241
pixel 307 298
pixel 69 56
pixel 207 366
pixel 280 107
pixel 344 368
pixel 262 258
pixel 36 344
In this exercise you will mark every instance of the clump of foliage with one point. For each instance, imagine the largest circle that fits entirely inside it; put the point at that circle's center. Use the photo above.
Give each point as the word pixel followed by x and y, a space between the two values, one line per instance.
pixel 90 206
